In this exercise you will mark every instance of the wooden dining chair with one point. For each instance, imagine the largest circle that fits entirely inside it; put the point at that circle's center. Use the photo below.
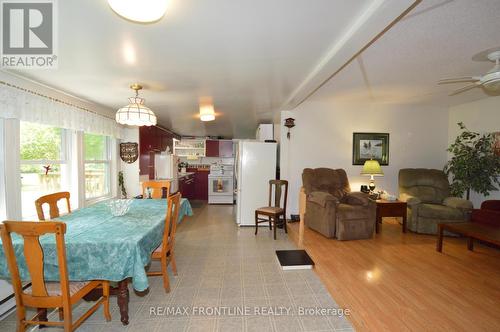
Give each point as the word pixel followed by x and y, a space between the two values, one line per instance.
pixel 276 215
pixel 42 294
pixel 52 200
pixel 159 189
pixel 165 252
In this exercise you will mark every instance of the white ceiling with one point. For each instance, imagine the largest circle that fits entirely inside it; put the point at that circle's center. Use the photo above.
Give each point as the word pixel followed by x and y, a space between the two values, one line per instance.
pixel 251 57
pixel 436 40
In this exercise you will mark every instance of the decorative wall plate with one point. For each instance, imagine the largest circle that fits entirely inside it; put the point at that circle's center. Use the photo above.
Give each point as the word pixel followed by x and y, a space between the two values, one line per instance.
pixel 129 152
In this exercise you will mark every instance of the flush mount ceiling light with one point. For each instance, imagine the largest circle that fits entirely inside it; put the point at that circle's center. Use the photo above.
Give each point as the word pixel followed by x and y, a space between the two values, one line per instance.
pixel 143 11
pixel 207 113
pixel 136 113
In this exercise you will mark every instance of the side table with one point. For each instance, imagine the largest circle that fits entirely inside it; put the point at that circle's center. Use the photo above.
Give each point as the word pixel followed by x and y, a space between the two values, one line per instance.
pixel 390 209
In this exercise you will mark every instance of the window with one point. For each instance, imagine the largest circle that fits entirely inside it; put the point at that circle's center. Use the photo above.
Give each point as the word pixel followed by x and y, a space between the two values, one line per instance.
pixel 3 212
pixel 44 167
pixel 97 166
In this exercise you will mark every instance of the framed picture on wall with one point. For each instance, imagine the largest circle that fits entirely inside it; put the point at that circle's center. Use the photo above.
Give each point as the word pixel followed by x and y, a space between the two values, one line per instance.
pixel 366 146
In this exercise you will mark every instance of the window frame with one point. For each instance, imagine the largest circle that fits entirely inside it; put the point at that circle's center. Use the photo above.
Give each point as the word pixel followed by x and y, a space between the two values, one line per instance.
pixel 63 162
pixel 3 204
pixel 108 162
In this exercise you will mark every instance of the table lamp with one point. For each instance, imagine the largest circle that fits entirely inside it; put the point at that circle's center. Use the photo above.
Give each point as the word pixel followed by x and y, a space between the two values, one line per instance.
pixel 372 168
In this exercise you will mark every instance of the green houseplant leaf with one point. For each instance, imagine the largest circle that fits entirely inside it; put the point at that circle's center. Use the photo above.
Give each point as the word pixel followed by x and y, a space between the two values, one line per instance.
pixel 473 164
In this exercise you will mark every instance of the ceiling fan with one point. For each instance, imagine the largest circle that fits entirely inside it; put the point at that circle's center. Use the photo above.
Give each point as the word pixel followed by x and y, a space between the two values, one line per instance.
pixel 490 81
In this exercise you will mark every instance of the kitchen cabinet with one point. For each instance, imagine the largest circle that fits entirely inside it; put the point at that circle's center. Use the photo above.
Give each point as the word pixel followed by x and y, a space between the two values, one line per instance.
pixel 187 186
pixel 225 148
pixel 152 140
pixel 200 184
pixel 189 148
pixel 219 148
pixel 201 188
pixel 212 148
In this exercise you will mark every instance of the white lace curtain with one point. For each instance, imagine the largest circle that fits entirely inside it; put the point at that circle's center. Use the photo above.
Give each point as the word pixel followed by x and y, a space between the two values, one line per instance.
pixel 26 106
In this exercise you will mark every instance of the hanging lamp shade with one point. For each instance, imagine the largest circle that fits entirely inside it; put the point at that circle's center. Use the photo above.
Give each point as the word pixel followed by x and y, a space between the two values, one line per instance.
pixel 136 113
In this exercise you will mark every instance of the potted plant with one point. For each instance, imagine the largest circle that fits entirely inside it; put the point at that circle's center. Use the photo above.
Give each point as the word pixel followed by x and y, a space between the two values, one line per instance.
pixel 121 184
pixel 474 164
pixel 183 166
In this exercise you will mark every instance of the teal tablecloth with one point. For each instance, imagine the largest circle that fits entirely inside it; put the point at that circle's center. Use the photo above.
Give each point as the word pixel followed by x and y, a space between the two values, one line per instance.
pixel 100 246
pixel 185 210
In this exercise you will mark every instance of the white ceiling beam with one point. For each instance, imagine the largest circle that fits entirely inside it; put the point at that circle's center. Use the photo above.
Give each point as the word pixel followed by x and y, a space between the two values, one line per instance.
pixel 371 24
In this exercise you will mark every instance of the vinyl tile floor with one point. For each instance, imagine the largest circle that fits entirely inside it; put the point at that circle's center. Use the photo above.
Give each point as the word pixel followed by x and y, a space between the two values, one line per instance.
pixel 228 280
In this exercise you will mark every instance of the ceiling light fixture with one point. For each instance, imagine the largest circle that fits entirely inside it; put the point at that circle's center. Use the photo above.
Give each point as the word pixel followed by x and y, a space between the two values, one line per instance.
pixel 207 113
pixel 136 113
pixel 143 11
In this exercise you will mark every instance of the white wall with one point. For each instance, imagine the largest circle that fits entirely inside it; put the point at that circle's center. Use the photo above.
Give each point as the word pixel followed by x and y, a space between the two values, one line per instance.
pixel 481 116
pixel 131 171
pixel 322 137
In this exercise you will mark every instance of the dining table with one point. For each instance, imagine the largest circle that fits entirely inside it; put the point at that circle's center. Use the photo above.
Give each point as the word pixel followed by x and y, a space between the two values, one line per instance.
pixel 100 246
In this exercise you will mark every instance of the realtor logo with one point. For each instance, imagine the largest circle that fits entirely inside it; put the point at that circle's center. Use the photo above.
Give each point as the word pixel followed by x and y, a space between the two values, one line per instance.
pixel 28 34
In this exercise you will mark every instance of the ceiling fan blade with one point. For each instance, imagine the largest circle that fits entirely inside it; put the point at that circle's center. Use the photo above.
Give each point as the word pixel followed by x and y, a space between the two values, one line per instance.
pixel 459 79
pixel 465 88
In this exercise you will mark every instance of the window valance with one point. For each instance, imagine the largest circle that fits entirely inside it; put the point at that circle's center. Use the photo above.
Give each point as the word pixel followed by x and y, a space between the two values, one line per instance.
pixel 27 105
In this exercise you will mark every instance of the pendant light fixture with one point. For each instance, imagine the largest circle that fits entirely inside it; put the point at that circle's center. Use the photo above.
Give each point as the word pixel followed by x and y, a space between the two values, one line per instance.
pixel 142 11
pixel 136 113
pixel 207 113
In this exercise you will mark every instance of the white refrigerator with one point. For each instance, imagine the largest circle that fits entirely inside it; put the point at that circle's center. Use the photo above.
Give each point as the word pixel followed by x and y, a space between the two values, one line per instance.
pixel 166 169
pixel 255 166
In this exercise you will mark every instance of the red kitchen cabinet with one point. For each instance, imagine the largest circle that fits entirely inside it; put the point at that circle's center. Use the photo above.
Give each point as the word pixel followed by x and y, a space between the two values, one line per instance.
pixel 187 186
pixel 219 148
pixel 199 188
pixel 225 148
pixel 211 148
pixel 201 181
pixel 152 140
pixel 145 146
pixel 182 187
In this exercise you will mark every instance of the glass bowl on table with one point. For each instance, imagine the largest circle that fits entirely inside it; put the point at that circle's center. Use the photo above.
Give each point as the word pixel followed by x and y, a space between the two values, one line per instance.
pixel 119 207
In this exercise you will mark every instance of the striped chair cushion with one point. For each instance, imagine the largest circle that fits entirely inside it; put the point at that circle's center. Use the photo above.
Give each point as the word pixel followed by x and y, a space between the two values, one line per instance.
pixel 54 288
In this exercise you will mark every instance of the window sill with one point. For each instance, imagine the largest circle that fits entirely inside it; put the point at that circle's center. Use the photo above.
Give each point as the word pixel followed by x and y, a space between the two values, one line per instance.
pixel 96 200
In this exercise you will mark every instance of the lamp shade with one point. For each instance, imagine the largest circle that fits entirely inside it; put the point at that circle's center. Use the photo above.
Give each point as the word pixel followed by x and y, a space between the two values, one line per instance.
pixel 372 167
pixel 136 114
pixel 207 113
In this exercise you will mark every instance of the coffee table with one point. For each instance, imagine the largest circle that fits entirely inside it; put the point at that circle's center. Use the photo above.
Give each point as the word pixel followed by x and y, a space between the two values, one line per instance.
pixel 472 230
pixel 387 208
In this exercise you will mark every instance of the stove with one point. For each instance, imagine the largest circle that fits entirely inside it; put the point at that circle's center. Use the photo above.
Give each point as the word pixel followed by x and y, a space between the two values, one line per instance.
pixel 220 184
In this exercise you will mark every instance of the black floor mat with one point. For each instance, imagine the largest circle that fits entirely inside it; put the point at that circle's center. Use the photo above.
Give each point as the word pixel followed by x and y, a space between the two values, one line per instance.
pixel 294 259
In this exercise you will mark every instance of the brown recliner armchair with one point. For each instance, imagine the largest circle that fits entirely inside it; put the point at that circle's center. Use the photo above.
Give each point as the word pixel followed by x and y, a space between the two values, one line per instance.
pixel 427 193
pixel 332 209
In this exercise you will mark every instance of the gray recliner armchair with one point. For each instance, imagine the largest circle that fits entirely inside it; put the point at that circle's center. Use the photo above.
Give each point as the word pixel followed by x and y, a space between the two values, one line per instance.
pixel 427 193
pixel 332 209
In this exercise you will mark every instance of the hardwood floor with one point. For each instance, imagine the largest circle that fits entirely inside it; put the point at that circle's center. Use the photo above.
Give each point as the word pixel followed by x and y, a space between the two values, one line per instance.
pixel 399 282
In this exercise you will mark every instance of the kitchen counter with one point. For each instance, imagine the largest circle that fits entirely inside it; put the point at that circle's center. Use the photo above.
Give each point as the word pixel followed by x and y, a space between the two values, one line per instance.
pixel 182 175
